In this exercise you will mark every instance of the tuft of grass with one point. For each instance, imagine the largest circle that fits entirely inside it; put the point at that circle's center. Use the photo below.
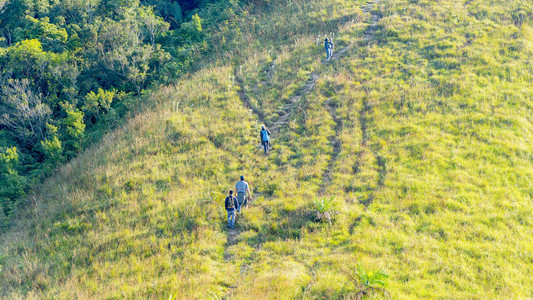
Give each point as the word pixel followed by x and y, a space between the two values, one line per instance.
pixel 368 283
pixel 324 208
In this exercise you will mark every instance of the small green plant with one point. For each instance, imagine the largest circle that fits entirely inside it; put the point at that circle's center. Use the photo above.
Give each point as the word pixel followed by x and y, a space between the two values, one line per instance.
pixel 324 208
pixel 368 283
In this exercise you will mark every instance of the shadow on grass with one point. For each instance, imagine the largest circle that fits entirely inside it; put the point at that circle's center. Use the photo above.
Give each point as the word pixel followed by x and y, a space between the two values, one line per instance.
pixel 283 225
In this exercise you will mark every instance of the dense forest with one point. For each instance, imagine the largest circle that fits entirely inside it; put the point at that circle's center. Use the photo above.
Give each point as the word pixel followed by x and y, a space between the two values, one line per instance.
pixel 71 70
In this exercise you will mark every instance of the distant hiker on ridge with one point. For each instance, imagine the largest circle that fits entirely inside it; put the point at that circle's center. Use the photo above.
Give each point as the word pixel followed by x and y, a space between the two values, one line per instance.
pixel 265 138
pixel 231 204
pixel 241 188
pixel 328 45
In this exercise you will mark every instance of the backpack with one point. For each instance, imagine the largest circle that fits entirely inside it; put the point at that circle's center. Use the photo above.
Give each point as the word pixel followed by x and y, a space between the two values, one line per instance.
pixel 264 135
pixel 231 202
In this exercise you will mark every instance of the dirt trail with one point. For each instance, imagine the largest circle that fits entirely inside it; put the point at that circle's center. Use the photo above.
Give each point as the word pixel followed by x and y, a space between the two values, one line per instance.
pixel 232 238
pixel 290 107
pixel 365 118
pixel 327 176
pixel 368 36
pixel 293 103
pixel 245 99
pixel 372 28
pixel 233 235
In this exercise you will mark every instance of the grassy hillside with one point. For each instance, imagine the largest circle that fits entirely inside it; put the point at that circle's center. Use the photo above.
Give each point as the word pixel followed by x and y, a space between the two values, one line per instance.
pixel 420 128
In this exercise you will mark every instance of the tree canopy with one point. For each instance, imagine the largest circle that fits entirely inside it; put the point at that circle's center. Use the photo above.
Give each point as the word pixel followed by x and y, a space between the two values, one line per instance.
pixel 71 69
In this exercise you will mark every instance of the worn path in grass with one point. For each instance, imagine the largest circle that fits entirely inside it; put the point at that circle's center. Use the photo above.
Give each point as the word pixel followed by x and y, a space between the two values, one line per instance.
pixel 232 239
pixel 365 115
pixel 368 37
pixel 281 122
pixel 294 102
pixel 233 235
pixel 245 99
pixel 289 108
pixel 335 141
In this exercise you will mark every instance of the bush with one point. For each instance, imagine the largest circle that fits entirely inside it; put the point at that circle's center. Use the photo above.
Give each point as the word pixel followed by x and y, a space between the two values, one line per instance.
pixel 369 283
pixel 12 185
pixel 324 208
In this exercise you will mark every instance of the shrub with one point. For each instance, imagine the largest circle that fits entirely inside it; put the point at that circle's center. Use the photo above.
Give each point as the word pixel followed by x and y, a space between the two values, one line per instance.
pixel 369 283
pixel 324 208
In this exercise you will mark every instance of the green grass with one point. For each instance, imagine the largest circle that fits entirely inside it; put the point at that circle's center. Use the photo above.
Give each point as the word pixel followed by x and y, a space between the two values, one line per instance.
pixel 433 181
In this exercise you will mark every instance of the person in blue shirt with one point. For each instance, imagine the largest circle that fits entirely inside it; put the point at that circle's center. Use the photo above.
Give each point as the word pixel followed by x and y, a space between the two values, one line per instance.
pixel 328 45
pixel 231 205
pixel 265 138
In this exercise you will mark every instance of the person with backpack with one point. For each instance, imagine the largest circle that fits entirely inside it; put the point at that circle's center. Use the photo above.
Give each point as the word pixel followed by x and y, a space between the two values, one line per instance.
pixel 241 188
pixel 328 45
pixel 265 138
pixel 231 205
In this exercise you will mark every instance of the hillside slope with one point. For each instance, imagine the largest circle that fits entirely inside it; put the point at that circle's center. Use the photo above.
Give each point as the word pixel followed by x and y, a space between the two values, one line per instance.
pixel 420 127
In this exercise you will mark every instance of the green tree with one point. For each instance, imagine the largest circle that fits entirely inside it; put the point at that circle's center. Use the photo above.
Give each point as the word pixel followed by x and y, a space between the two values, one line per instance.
pixel 121 47
pixel 69 63
pixel 52 37
pixel 192 30
pixel 170 11
pixel 73 129
pixel 153 25
pixel 23 112
pixel 24 60
pixel 12 185
pixel 96 104
pixel 52 150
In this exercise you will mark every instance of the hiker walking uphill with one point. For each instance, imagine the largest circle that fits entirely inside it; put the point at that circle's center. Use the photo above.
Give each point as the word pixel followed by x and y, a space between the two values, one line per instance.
pixel 231 205
pixel 242 188
pixel 265 138
pixel 328 45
